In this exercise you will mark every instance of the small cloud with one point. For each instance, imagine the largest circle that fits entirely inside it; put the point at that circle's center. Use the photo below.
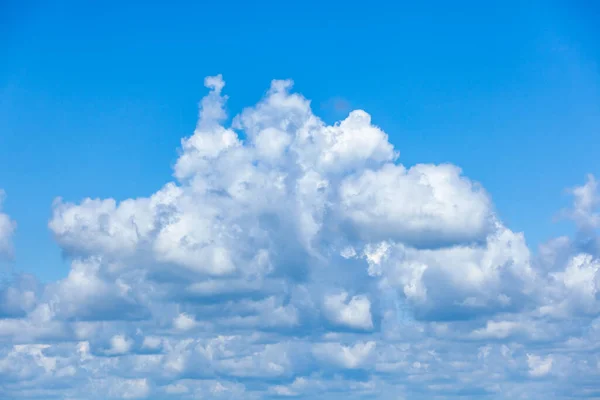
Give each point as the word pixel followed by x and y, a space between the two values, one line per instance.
pixel 119 344
pixel 539 366
pixel 184 322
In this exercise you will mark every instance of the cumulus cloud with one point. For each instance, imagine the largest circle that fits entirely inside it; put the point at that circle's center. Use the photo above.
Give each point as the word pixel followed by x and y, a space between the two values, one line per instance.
pixel 585 204
pixel 89 292
pixel 18 296
pixel 292 258
pixel 424 206
pixel 457 282
pixel 119 344
pixel 576 289
pixel 347 357
pixel 539 366
pixel 184 322
pixel 352 313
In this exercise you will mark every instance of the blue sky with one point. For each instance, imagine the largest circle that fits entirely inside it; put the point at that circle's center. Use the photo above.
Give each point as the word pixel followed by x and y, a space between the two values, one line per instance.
pixel 96 98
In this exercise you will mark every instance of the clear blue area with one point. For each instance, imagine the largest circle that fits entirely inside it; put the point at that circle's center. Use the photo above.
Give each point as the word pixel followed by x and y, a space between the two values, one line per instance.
pixel 95 96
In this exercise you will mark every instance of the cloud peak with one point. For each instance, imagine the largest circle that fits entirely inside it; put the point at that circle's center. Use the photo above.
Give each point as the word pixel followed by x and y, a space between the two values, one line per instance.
pixel 276 264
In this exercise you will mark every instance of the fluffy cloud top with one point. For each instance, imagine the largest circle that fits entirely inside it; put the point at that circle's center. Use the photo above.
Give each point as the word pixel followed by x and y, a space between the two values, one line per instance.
pixel 292 258
pixel 353 313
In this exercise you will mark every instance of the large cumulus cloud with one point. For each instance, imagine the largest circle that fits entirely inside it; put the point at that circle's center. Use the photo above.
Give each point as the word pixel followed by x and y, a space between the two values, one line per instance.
pixel 292 258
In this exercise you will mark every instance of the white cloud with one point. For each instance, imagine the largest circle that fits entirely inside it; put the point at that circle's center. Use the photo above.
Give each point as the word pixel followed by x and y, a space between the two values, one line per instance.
pixel 184 322
pixel 575 289
pixel 348 357
pixel 20 297
pixel 89 292
pixel 352 313
pixel 585 204
pixel 290 257
pixel 539 366
pixel 426 205
pixel 151 343
pixel 497 330
pixel 119 344
pixel 461 280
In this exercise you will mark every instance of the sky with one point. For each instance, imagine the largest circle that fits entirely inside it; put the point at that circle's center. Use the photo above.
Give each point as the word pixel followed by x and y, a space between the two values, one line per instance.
pixel 379 200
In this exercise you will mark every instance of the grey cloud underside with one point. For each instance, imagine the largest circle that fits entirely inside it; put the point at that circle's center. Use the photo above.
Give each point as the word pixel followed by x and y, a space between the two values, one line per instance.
pixel 304 261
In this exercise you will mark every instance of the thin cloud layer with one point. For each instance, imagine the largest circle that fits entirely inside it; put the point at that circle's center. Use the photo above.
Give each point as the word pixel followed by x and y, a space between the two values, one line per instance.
pixel 291 258
pixel 7 229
